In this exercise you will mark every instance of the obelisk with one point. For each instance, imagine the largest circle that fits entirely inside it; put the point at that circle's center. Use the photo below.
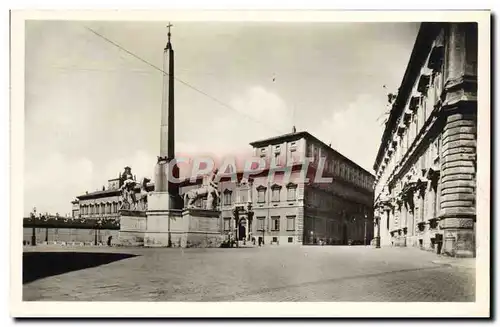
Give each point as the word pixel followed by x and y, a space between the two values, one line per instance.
pixel 165 166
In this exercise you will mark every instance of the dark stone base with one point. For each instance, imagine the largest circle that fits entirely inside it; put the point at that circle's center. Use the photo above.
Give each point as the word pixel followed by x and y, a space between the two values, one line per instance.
pixel 459 243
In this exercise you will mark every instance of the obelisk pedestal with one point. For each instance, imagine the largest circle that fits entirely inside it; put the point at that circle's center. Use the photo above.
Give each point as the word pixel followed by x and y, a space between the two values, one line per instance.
pixel 164 218
pixel 162 221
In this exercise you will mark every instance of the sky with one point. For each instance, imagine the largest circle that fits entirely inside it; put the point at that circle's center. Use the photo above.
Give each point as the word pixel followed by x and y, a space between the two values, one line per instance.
pixel 91 108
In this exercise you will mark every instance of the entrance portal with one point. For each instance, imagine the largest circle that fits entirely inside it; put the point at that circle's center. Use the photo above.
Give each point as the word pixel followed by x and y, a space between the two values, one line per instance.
pixel 242 230
pixel 344 234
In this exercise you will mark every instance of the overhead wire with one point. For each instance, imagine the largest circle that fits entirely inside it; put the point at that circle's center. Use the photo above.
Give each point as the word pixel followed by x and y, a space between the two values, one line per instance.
pixel 178 80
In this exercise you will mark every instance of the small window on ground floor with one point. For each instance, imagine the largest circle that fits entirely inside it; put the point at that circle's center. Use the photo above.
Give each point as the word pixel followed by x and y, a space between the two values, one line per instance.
pixel 227 224
pixel 275 239
pixel 260 223
pixel 290 240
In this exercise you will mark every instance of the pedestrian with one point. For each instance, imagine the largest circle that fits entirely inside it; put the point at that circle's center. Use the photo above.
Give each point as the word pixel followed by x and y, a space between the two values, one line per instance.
pixel 109 240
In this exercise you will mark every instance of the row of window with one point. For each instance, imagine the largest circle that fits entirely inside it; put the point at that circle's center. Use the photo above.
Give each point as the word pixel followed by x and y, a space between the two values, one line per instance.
pixel 338 168
pixel 407 137
pixel 101 208
pixel 276 149
pixel 333 167
pixel 405 217
pixel 419 109
pixel 276 192
pixel 276 153
pixel 291 190
pixel 273 225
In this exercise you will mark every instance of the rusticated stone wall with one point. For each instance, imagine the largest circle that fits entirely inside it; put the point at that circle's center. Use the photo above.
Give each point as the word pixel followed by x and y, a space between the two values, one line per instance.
pixel 458 189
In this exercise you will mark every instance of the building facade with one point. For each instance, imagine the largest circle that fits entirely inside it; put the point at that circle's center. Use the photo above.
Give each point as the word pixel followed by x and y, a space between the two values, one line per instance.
pixel 285 209
pixel 425 187
pixel 303 209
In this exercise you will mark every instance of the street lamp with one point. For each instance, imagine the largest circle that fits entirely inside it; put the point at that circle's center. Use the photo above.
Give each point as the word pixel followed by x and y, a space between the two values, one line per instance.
pixel 33 231
pixel 97 227
pixel 366 217
pixel 236 213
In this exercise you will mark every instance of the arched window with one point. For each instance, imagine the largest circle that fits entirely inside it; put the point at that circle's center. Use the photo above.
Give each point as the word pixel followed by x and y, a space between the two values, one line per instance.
pixel 276 190
pixel 291 194
pixel 228 194
pixel 261 194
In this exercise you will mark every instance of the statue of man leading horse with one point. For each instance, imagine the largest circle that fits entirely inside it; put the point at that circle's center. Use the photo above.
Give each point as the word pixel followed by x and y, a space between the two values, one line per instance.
pixel 132 200
pixel 208 190
pixel 138 201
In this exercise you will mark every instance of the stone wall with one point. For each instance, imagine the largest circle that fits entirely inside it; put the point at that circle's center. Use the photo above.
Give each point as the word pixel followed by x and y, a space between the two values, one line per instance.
pixel 186 228
pixel 202 228
pixel 69 236
pixel 132 228
pixel 164 228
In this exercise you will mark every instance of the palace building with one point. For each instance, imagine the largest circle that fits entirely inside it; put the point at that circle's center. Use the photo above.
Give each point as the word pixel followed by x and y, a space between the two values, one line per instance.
pixel 279 210
pixel 104 203
pixel 425 187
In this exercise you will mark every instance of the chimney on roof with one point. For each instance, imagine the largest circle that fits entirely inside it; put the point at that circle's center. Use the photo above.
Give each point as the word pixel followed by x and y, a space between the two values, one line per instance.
pixel 294 130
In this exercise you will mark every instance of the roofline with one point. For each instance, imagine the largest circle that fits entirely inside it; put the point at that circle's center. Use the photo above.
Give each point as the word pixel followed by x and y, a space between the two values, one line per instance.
pixel 97 193
pixel 309 136
pixel 421 48
pixel 287 136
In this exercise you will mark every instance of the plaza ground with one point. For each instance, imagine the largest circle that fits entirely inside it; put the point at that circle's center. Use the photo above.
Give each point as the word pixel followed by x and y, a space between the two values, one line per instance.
pixel 306 273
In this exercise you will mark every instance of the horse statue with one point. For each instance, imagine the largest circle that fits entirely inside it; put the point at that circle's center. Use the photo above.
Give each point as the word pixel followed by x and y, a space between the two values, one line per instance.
pixel 142 197
pixel 128 197
pixel 208 190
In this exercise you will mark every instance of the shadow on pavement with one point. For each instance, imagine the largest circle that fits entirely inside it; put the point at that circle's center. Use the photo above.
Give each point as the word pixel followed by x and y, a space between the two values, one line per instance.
pixel 38 265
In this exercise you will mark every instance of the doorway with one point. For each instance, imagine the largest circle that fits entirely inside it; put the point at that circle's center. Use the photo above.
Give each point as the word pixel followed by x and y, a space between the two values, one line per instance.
pixel 242 230
pixel 344 234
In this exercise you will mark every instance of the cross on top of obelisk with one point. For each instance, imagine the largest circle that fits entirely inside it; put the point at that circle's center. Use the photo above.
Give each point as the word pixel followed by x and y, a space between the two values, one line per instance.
pixel 169 34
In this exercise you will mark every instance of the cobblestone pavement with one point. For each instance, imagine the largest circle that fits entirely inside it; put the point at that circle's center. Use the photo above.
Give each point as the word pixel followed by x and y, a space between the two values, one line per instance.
pixel 318 273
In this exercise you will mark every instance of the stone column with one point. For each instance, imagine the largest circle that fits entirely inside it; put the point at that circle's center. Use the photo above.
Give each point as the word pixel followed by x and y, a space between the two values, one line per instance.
pixel 422 194
pixel 431 202
pixel 397 216
pixel 377 235
pixel 406 214
pixel 246 228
